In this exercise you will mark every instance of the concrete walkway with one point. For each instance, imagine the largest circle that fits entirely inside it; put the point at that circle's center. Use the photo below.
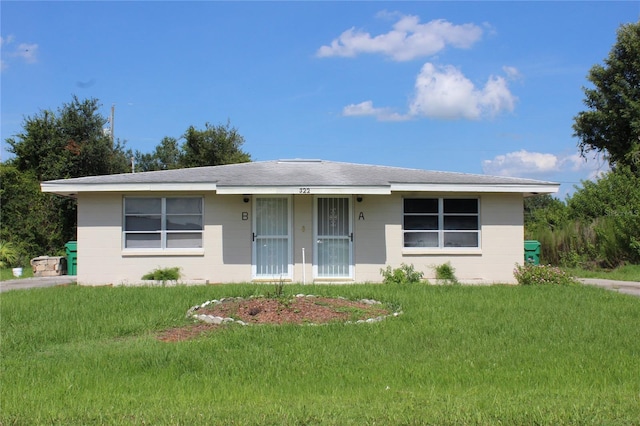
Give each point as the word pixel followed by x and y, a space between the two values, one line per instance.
pixel 36 282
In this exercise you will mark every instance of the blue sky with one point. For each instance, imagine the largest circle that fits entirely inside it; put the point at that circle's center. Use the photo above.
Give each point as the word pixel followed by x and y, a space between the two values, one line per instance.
pixel 474 87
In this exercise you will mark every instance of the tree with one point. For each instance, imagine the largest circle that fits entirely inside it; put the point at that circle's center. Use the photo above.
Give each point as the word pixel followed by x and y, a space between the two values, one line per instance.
pixel 213 146
pixel 544 210
pixel 612 205
pixel 616 193
pixel 603 223
pixel 66 144
pixel 71 143
pixel 166 156
pixel 599 225
pixel 41 230
pixel 612 123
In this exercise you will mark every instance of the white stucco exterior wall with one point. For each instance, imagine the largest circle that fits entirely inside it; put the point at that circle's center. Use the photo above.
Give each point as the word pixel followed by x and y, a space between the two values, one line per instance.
pixel 224 258
pixel 502 239
pixel 227 243
pixel 302 238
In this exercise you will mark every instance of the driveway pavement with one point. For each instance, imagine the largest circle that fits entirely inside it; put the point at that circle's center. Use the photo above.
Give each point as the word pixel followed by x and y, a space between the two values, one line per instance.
pixel 36 282
pixel 626 287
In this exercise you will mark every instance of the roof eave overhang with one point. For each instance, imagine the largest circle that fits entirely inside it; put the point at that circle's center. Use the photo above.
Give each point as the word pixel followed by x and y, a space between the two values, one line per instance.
pixel 540 188
pixel 68 189
pixel 301 189
pixel 73 189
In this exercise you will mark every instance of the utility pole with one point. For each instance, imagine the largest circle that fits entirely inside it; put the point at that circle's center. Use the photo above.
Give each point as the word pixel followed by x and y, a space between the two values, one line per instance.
pixel 111 122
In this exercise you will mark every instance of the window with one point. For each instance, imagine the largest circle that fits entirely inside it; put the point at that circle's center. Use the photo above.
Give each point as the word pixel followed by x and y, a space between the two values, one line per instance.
pixel 441 222
pixel 163 223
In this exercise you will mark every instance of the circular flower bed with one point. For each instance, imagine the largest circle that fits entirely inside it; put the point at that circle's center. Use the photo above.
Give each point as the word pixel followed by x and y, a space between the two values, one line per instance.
pixel 301 309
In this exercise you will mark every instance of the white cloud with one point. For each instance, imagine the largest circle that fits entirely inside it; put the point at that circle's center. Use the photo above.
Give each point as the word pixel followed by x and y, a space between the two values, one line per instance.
pixel 366 108
pixel 595 167
pixel 521 163
pixel 441 92
pixel 444 92
pixel 363 108
pixel 409 39
pixel 512 73
pixel 28 52
pixel 576 161
pixel 524 163
pixel 6 40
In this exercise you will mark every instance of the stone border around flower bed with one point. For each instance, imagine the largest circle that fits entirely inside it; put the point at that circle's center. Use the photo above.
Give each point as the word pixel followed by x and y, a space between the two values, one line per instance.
pixel 211 319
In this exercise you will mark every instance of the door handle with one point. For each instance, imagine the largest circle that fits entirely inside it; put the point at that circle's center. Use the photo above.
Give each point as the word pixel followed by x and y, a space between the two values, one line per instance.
pixel 253 236
pixel 351 236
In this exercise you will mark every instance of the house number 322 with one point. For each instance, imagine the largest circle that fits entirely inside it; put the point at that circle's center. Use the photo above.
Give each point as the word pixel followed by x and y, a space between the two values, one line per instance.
pixel 305 191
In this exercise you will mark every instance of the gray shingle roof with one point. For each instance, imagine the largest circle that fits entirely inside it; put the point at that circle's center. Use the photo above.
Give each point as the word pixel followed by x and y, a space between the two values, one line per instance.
pixel 299 173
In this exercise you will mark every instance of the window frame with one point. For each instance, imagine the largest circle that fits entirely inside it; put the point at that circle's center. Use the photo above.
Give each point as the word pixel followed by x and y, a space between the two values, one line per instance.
pixel 164 232
pixel 440 231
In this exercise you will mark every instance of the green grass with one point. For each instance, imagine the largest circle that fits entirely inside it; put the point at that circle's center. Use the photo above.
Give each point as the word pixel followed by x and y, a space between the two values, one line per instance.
pixel 622 273
pixel 457 355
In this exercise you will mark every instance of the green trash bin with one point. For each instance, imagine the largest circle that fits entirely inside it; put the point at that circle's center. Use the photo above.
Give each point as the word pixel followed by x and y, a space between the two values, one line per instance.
pixel 72 257
pixel 532 252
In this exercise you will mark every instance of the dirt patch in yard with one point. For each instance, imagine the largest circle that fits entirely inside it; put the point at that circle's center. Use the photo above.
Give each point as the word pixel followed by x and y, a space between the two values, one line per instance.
pixel 262 310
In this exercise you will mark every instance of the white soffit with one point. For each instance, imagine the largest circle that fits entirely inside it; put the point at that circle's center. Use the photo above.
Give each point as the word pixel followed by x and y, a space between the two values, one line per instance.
pixel 68 189
pixel 74 188
pixel 447 187
pixel 364 190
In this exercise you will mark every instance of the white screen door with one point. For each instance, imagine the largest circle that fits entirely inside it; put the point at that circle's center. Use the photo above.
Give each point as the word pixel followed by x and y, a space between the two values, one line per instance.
pixel 271 238
pixel 333 238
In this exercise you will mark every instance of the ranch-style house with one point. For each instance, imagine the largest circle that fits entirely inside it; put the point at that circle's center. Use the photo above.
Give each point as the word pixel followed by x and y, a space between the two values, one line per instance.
pixel 297 221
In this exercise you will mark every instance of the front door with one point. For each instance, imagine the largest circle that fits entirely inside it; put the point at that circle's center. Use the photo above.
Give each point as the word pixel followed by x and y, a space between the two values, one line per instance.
pixel 271 238
pixel 333 252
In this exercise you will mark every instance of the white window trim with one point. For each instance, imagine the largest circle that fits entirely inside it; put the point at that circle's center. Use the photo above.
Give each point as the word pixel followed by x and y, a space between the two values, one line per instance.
pixel 441 231
pixel 162 250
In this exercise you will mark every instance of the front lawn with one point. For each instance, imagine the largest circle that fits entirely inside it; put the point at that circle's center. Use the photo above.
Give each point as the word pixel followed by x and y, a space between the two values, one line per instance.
pixel 457 355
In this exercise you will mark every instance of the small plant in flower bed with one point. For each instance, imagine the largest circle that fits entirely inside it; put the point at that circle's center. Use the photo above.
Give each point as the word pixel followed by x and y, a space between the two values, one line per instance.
pixel 529 274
